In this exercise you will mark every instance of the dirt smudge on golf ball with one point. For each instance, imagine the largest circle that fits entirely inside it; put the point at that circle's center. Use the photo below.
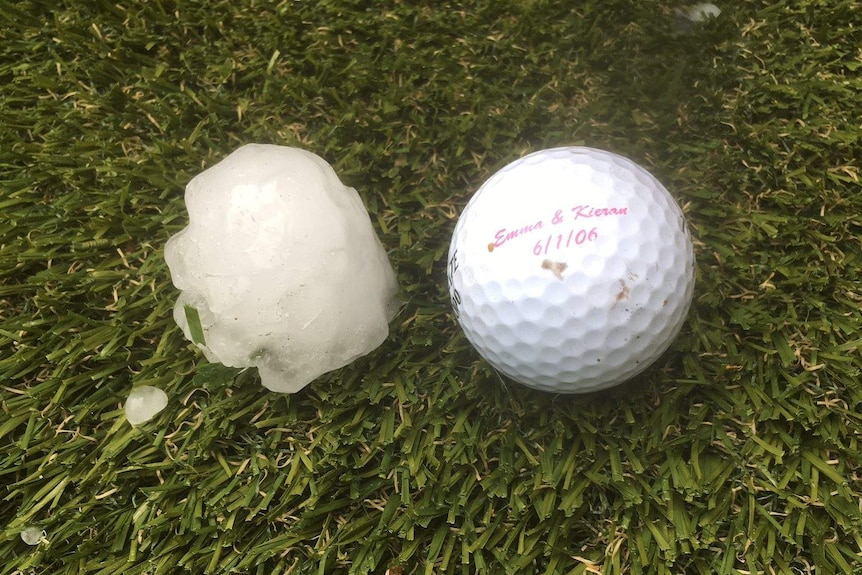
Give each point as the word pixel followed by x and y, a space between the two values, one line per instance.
pixel 556 268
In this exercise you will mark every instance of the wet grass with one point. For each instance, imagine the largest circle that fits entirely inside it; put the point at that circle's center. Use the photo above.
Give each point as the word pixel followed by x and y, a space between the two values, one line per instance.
pixel 738 453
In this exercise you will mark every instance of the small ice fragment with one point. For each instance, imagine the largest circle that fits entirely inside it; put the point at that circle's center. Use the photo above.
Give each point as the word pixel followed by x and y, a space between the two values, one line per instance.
pixel 144 403
pixel 688 16
pixel 700 12
pixel 280 267
pixel 32 535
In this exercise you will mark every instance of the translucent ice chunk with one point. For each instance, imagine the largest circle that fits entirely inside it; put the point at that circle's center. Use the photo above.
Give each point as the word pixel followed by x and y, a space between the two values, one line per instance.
pixel 700 12
pixel 688 16
pixel 144 403
pixel 280 267
pixel 32 535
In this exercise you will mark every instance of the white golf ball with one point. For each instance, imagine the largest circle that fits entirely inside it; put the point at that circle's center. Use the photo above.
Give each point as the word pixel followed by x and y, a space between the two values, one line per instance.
pixel 571 270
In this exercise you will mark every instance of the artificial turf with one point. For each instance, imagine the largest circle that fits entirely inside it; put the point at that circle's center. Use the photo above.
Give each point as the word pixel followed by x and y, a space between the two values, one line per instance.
pixel 738 453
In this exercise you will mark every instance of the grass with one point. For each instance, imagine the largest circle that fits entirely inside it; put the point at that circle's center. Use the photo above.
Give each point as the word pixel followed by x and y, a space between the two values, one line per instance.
pixel 739 452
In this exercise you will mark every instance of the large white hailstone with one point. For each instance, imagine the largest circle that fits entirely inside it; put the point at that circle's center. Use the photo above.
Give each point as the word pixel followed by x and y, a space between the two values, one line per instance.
pixel 144 403
pixel 280 267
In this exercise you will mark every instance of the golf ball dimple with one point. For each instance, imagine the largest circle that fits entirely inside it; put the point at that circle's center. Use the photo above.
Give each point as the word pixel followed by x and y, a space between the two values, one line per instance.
pixel 571 270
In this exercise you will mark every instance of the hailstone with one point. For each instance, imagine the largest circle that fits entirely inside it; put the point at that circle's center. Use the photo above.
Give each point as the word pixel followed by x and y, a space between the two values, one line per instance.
pixel 144 403
pixel 280 268
pixel 32 535
pixel 687 17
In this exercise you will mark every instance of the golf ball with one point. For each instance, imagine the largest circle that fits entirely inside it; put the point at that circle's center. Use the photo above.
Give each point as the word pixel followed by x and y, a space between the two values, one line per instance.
pixel 571 270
